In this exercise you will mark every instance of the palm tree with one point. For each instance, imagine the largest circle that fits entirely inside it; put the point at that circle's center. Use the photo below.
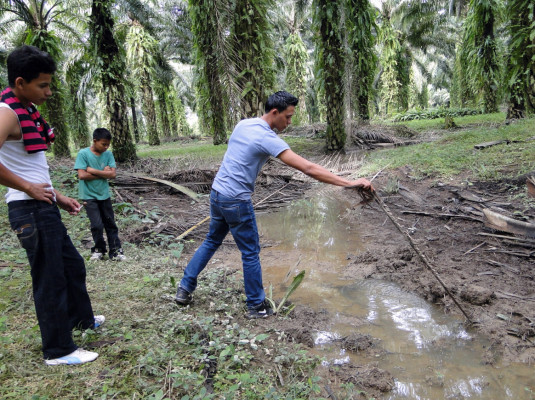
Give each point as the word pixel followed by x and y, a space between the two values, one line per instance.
pixel 214 60
pixel 254 50
pixel 521 68
pixel 360 27
pixel 480 49
pixel 296 74
pixel 37 16
pixel 140 48
pixel 417 35
pixel 290 20
pixel 330 65
pixel 393 71
pixel 78 121
pixel 111 72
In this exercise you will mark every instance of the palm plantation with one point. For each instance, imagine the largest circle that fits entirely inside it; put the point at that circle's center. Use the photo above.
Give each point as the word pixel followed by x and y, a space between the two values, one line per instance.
pixel 171 79
pixel 354 62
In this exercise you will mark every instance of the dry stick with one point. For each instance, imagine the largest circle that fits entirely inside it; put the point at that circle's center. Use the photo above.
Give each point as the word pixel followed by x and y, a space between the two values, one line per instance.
pixel 381 170
pixel 422 256
pixel 473 248
pixel 181 236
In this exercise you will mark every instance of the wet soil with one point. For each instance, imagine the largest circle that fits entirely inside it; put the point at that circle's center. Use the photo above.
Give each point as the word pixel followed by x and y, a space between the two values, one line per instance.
pixel 490 273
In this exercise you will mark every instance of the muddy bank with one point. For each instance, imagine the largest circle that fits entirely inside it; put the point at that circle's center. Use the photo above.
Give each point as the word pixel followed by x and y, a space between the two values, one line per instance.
pixel 490 275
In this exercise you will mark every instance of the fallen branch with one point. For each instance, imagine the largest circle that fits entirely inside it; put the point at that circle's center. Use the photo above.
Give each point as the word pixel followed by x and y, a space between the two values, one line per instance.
pixel 502 265
pixel 442 215
pixel 180 188
pixel 508 295
pixel 514 238
pixel 473 248
pixel 514 253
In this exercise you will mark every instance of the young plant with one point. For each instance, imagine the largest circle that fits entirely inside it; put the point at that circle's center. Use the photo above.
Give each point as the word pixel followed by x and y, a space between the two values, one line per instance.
pixel 293 286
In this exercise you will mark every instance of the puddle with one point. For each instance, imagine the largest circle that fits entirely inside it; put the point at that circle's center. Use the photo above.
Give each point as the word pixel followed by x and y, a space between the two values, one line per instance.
pixel 430 354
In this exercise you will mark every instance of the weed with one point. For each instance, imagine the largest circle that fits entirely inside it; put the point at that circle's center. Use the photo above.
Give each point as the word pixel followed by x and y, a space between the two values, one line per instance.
pixel 293 286
pixel 392 186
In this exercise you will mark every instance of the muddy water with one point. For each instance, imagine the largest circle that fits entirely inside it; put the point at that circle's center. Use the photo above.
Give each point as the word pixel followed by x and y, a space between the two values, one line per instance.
pixel 431 355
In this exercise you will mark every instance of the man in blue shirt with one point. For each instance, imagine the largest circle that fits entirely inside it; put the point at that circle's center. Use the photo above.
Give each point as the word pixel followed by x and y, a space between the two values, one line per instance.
pixel 251 144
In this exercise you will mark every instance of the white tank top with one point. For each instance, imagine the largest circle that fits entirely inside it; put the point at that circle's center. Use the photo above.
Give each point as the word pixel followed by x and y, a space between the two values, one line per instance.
pixel 30 167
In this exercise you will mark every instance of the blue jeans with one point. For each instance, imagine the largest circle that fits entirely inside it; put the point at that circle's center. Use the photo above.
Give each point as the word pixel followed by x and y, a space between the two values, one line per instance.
pixel 100 213
pixel 58 274
pixel 238 216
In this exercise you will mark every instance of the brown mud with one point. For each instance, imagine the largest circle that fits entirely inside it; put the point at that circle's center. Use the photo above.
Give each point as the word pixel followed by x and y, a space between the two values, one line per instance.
pixel 491 277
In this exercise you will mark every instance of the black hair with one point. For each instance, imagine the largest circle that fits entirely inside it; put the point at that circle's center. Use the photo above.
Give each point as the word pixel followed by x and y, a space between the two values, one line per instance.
pixel 281 101
pixel 101 133
pixel 28 62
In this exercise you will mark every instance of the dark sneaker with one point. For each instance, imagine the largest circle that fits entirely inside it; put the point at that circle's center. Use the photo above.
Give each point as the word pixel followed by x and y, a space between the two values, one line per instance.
pixel 117 255
pixel 183 297
pixel 263 310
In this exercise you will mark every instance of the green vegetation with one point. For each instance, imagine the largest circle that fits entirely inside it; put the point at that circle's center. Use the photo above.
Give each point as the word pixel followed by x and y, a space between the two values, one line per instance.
pixel 433 113
pixel 462 121
pixel 454 152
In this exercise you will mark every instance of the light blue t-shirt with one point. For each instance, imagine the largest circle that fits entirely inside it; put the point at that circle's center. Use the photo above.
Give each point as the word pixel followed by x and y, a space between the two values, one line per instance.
pixel 251 144
pixel 96 189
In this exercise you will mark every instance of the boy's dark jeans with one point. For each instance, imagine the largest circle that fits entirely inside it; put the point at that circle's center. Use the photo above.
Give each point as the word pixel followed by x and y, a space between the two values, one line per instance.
pixel 100 213
pixel 58 274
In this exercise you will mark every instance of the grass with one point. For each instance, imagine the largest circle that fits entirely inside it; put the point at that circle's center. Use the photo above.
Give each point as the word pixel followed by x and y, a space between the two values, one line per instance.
pixel 454 153
pixel 203 148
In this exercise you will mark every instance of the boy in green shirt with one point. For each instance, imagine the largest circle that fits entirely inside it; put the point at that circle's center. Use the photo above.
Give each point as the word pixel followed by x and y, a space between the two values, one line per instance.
pixel 95 165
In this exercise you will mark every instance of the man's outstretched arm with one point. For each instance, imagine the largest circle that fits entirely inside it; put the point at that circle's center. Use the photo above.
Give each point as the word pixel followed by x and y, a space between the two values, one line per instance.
pixel 318 172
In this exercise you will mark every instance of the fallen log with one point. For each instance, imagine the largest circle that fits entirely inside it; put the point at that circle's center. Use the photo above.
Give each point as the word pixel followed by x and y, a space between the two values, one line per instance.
pixel 505 224
pixel 490 144
pixel 531 186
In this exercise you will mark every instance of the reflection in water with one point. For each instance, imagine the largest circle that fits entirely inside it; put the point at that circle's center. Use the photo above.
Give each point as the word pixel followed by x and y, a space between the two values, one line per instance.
pixel 429 353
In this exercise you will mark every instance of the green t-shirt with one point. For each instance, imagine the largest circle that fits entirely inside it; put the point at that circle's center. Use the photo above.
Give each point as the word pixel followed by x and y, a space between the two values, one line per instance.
pixel 97 189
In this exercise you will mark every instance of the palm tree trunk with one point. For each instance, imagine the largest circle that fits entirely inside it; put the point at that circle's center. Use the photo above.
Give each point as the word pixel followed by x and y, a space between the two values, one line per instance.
pixel 216 95
pixel 56 118
pixel 363 60
pixel 255 54
pixel 330 44
pixel 134 118
pixel 162 111
pixel 112 71
pixel 149 109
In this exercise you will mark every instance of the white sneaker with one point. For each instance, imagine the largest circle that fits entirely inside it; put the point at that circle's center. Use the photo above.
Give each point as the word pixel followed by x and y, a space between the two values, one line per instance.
pixel 78 356
pixel 99 320
pixel 96 255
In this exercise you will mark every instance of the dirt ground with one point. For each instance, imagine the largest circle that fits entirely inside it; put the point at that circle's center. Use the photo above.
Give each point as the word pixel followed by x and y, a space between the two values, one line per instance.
pixel 490 273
